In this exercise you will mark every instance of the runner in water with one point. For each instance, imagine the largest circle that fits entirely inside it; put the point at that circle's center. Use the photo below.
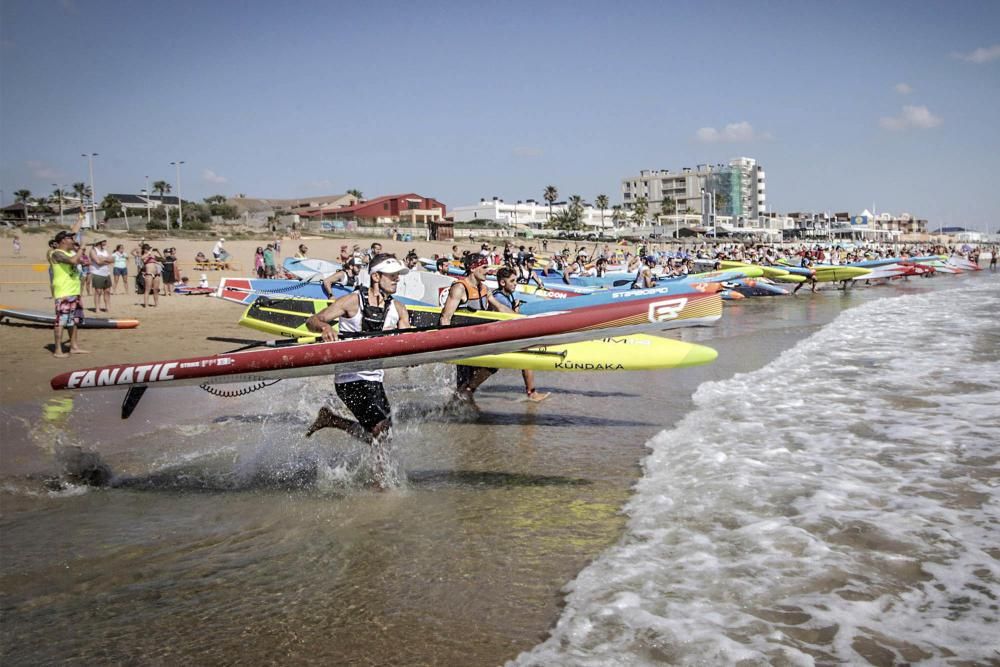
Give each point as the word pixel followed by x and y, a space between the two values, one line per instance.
pixel 470 293
pixel 507 303
pixel 371 309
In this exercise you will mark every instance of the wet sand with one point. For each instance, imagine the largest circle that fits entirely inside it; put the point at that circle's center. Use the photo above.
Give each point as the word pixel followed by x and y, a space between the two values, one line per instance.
pixel 228 537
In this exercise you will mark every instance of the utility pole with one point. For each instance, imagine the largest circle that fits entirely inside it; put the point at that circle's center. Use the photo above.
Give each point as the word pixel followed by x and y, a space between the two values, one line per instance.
pixel 180 210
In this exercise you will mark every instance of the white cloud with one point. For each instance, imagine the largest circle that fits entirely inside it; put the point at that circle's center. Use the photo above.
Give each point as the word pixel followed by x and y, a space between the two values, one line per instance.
pixel 911 117
pixel 41 170
pixel 980 55
pixel 210 176
pixel 527 151
pixel 732 133
pixel 903 88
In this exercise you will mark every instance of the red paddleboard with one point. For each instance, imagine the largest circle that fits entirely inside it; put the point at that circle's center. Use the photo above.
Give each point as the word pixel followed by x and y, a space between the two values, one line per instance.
pixel 396 349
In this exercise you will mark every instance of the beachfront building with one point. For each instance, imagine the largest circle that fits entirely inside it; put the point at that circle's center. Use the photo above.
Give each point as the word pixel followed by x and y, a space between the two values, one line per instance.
pixel 530 214
pixel 735 193
pixel 410 210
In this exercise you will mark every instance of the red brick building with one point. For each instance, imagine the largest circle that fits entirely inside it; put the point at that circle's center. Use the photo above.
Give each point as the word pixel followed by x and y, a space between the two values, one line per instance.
pixel 391 209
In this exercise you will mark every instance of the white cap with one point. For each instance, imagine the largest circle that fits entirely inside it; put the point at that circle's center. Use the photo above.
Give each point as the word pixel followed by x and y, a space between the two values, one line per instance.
pixel 391 265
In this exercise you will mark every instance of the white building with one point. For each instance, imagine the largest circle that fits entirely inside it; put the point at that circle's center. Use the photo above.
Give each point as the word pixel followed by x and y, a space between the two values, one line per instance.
pixel 528 213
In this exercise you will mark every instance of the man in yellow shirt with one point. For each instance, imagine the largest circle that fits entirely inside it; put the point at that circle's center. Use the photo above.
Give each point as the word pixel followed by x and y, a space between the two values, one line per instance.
pixel 66 291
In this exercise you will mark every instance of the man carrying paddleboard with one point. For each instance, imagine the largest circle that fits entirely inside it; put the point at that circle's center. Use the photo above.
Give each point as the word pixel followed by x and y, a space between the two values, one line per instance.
pixel 504 295
pixel 470 293
pixel 367 309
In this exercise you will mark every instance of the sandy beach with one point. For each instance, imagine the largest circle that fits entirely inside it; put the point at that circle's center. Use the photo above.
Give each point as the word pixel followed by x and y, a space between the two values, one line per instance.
pixel 229 537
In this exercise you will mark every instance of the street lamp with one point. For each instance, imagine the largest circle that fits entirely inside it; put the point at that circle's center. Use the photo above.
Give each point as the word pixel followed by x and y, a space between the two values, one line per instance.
pixel 93 193
pixel 708 209
pixel 180 210
pixel 148 202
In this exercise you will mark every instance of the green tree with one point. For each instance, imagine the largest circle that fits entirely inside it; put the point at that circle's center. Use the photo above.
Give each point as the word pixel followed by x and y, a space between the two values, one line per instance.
pixel 354 192
pixel 575 208
pixel 162 187
pixel 640 208
pixel 112 207
pixel 217 205
pixel 81 190
pixel 23 197
pixel 617 216
pixel 668 206
pixel 601 202
pixel 551 195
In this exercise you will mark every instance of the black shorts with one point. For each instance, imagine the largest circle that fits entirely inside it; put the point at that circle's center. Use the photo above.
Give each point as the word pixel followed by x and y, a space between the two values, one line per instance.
pixel 366 400
pixel 463 374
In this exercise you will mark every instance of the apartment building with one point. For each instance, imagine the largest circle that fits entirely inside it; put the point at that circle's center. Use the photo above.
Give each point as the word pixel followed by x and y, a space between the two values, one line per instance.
pixel 738 188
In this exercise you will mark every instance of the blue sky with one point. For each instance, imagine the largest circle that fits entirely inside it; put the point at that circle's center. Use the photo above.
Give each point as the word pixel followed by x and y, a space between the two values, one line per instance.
pixel 845 104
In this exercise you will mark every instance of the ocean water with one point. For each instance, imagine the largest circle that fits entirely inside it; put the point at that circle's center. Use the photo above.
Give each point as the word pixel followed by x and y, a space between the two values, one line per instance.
pixel 839 505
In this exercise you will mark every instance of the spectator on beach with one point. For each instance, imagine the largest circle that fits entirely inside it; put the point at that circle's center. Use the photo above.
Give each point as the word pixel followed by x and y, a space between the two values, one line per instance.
pixel 344 255
pixel 219 251
pixel 100 274
pixel 993 259
pixel 169 275
pixel 17 245
pixel 66 287
pixel 301 254
pixel 84 268
pixel 151 272
pixel 258 262
pixel 270 268
pixel 120 269
pixel 413 261
pixel 442 265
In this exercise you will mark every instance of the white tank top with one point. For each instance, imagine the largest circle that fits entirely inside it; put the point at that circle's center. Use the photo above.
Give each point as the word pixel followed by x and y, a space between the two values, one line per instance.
pixel 100 269
pixel 353 325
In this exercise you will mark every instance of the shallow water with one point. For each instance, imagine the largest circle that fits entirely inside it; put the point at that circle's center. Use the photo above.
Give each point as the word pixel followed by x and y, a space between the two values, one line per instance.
pixel 227 536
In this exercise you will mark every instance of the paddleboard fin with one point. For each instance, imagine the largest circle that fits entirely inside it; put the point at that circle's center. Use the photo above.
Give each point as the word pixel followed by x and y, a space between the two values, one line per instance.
pixel 132 397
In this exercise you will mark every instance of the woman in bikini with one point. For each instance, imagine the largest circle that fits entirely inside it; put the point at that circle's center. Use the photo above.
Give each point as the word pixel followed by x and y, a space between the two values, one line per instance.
pixel 151 270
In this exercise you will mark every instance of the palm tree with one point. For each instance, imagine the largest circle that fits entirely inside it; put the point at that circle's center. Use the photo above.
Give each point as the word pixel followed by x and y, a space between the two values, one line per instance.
pixel 112 207
pixel 575 211
pixel 551 195
pixel 601 202
pixel 163 188
pixel 42 204
pixel 81 190
pixel 354 192
pixel 641 206
pixel 668 206
pixel 23 197
pixel 616 215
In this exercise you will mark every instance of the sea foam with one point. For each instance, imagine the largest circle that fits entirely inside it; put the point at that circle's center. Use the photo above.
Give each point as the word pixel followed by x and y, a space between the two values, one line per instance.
pixel 837 505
